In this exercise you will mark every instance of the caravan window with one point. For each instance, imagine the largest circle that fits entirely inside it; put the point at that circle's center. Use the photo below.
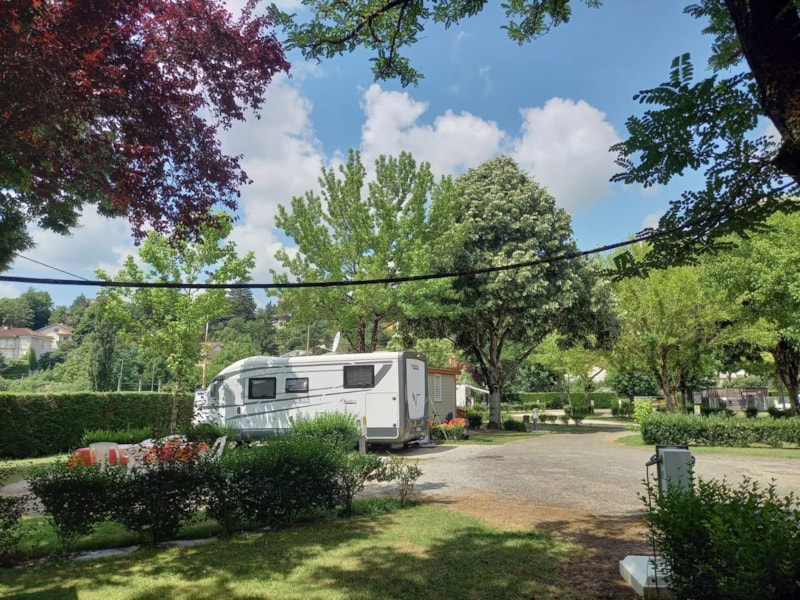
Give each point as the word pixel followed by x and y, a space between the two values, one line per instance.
pixel 261 388
pixel 359 376
pixel 296 384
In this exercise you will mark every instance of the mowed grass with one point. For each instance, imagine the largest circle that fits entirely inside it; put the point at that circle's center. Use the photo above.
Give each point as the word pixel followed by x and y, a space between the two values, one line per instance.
pixel 634 440
pixel 425 551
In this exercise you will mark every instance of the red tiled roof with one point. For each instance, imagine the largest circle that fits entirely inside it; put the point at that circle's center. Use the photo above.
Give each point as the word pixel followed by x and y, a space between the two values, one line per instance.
pixel 13 332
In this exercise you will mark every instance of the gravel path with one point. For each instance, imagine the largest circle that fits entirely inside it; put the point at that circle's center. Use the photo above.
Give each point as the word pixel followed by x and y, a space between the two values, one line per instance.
pixel 585 471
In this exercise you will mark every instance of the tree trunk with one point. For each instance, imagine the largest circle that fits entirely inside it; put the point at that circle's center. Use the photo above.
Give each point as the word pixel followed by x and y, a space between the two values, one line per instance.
pixel 787 363
pixel 769 33
pixel 173 419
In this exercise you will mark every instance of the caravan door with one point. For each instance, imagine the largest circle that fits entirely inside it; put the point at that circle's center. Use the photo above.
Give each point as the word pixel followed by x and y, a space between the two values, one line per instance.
pixel 383 415
pixel 415 388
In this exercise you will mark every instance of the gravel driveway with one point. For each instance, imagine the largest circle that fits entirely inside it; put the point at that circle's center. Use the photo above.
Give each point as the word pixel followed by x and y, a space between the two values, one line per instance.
pixel 584 471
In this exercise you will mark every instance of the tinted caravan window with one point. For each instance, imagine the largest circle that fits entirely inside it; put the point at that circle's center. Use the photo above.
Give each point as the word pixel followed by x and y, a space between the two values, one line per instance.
pixel 261 388
pixel 296 384
pixel 359 376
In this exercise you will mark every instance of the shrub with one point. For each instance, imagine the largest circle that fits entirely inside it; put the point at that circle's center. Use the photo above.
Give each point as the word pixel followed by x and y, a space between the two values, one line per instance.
pixel 777 413
pixel 222 491
pixel 341 429
pixel 11 511
pixel 641 410
pixel 476 415
pixel 454 432
pixel 514 425
pixel 75 500
pixel 405 474
pixel 290 477
pixel 157 499
pixel 120 436
pixel 724 542
pixel 624 409
pixel 665 428
pixel 353 473
pixel 576 413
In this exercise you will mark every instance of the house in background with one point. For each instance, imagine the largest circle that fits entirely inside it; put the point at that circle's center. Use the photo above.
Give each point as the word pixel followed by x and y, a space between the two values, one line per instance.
pixel 58 332
pixel 15 342
pixel 469 395
pixel 442 392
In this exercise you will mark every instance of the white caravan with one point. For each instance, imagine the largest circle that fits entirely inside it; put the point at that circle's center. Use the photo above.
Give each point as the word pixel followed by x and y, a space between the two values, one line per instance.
pixel 260 395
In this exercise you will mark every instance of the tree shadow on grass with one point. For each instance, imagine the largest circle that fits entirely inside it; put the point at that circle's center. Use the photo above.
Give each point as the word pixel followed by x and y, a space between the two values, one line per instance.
pixel 453 556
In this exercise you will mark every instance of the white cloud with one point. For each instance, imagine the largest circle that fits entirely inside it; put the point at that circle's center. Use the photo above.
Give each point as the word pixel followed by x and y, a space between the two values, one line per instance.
pixel 651 221
pixel 97 242
pixel 283 158
pixel 565 146
pixel 9 290
pixel 453 142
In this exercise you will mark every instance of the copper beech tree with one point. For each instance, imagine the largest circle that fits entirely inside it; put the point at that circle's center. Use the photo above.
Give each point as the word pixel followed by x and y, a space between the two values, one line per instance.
pixel 118 104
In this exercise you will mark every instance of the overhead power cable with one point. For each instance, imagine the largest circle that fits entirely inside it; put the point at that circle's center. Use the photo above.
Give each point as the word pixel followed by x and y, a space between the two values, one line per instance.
pixel 642 236
pixel 321 284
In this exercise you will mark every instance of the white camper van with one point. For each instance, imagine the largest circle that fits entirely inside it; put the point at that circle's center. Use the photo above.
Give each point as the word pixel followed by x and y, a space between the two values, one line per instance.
pixel 387 391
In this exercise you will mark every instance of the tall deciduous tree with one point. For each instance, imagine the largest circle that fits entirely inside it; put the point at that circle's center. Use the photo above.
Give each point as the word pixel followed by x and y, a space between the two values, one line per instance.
pixel 15 312
pixel 170 321
pixel 118 104
pixel 355 229
pixel 496 215
pixel 759 278
pixel 41 305
pixel 709 125
pixel 669 322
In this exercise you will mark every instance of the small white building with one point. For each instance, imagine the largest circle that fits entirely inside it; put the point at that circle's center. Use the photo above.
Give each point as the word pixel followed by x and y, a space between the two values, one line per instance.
pixel 15 342
pixel 469 395
pixel 58 332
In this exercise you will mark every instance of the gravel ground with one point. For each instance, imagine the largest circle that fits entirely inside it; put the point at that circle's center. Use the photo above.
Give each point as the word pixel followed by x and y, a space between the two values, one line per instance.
pixel 584 471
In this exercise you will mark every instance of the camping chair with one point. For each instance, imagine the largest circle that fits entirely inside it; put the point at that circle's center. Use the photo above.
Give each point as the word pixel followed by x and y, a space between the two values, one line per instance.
pixel 102 452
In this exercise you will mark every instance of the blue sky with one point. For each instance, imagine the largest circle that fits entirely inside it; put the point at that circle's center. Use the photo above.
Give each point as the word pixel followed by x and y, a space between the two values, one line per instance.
pixel 555 105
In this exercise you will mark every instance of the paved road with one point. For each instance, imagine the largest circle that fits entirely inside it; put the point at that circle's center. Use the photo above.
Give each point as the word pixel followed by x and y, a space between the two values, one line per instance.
pixel 585 471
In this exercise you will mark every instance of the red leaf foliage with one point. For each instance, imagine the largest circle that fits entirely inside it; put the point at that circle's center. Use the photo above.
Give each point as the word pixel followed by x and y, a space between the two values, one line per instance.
pixel 119 102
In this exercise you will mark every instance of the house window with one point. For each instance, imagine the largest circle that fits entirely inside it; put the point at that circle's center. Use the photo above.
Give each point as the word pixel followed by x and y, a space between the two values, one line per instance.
pixel 359 376
pixel 437 388
pixel 296 384
pixel 261 388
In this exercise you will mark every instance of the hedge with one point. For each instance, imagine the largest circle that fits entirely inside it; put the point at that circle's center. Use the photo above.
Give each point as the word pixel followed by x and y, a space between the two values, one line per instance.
pixel 675 428
pixel 43 424
pixel 556 400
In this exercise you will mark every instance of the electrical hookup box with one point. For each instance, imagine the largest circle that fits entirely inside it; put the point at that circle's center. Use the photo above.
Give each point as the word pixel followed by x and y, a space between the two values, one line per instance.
pixel 674 465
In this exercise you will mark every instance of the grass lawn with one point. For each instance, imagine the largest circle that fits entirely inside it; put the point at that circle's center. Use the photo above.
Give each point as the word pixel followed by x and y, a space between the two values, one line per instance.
pixel 426 551
pixel 635 440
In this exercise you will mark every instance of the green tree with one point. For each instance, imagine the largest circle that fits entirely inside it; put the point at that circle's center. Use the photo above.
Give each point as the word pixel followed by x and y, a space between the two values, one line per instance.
pixel 15 312
pixel 632 383
pixel 355 230
pixel 496 215
pixel 758 278
pixel 669 323
pixel 30 358
pixel 708 125
pixel 170 321
pixel 101 346
pixel 41 305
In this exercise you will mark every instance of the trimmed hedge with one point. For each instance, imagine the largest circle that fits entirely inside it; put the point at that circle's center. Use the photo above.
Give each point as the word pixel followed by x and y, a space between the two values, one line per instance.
pixel 556 400
pixel 674 428
pixel 42 424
